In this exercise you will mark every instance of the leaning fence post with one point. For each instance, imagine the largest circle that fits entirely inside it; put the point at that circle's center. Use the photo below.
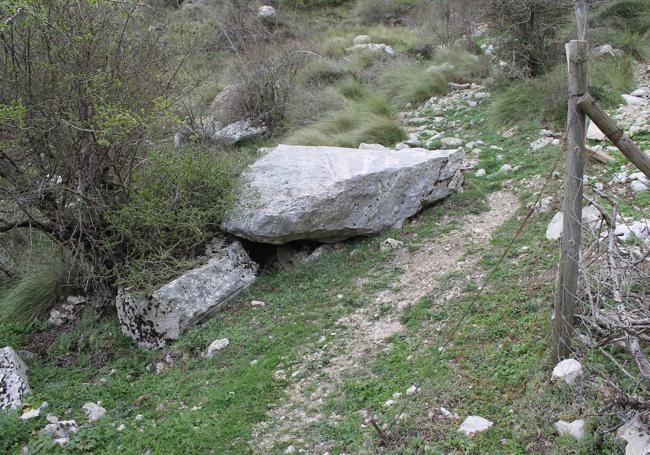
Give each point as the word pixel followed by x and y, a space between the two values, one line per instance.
pixel 565 298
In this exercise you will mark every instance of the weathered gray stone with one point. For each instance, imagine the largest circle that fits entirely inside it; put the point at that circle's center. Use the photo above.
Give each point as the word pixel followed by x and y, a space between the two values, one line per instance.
pixel 61 430
pixel 373 47
pixel 575 428
pixel 361 39
pixel 94 411
pixel 186 301
pixel 238 131
pixel 13 379
pixel 474 424
pixel 267 14
pixel 330 194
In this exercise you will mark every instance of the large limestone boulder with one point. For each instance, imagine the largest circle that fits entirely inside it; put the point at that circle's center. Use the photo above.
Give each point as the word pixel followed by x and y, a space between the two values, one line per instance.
pixel 13 379
pixel 186 301
pixel 330 194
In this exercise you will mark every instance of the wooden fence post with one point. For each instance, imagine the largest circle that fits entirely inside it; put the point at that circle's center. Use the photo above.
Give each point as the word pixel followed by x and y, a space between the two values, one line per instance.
pixel 565 298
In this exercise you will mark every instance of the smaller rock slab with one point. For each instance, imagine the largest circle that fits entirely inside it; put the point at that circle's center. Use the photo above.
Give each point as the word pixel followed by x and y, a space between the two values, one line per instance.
pixel 13 379
pixel 474 424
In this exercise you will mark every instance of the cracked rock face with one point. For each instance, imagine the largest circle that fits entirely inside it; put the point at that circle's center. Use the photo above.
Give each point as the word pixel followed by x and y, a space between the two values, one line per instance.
pixel 13 379
pixel 186 301
pixel 330 194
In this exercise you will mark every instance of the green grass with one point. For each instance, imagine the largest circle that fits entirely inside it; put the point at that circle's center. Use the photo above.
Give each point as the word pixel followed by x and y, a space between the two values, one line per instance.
pixel 543 100
pixel 368 117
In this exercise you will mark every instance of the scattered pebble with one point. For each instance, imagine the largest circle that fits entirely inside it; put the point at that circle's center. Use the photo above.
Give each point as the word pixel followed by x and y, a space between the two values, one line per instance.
pixel 567 370
pixel 473 425
pixel 575 428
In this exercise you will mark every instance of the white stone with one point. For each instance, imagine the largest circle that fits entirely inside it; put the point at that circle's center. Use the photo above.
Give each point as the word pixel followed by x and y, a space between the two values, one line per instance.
pixel 257 304
pixel 640 92
pixel 568 370
pixel 638 187
pixel 575 428
pixel 505 168
pixel 373 47
pixel 594 133
pixel 545 204
pixel 93 411
pixel 61 430
pixel 237 132
pixel 636 435
pixel 473 425
pixel 633 100
pixel 591 217
pixel 121 427
pixel 372 147
pixel 290 449
pixel 411 390
pixel 13 379
pixel 606 49
pixel 390 403
pixel 540 143
pixel 361 39
pixel 640 176
pixel 330 194
pixel 452 142
pixel 186 301
pixel 481 173
pixel 390 244
pixel 216 346
pixel 267 14
pixel 33 413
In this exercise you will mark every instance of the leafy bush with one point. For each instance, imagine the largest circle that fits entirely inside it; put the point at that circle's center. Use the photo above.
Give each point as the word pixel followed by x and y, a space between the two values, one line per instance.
pixel 177 201
pixel 631 15
pixel 545 99
pixel 87 83
pixel 382 11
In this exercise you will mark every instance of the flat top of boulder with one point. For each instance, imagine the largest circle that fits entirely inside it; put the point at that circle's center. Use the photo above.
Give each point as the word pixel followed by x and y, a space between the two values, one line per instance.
pixel 288 165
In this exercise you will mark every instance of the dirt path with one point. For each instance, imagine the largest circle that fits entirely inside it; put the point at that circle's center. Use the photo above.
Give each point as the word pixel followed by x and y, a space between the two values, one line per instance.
pixel 361 336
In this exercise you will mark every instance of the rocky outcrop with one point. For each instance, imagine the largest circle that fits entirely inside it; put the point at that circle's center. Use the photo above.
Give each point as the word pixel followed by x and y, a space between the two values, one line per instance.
pixel 13 379
pixel 330 194
pixel 186 301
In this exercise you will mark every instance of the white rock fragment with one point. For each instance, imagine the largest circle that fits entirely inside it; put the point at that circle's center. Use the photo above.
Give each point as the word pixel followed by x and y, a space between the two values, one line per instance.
pixel 412 390
pixel 61 430
pixel 637 436
pixel 451 142
pixel 591 217
pixel 575 428
pixel 216 346
pixel 567 370
pixel 121 427
pixel 390 244
pixel 594 133
pixel 505 168
pixel 13 379
pixel 638 187
pixel 361 39
pixel 389 403
pixel 290 449
pixel 474 424
pixel 257 304
pixel 480 173
pixel 93 411
pixel 632 100
pixel 33 413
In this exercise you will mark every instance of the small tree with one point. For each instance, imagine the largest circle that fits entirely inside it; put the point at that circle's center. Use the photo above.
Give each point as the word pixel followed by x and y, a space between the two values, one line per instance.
pixel 81 81
pixel 528 31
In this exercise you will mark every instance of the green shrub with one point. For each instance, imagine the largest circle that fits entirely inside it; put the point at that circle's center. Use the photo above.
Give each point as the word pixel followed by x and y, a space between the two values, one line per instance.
pixel 177 200
pixel 632 15
pixel 545 99
pixel 382 11
pixel 412 83
pixel 409 82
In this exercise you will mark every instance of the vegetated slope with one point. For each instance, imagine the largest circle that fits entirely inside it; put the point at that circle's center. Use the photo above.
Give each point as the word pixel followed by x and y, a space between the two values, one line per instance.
pixel 370 322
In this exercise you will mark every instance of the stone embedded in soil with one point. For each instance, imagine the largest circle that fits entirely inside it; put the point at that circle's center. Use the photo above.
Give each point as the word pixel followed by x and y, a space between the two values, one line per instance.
pixel 568 370
pixel 61 430
pixel 186 301
pixel 93 411
pixel 390 244
pixel 474 424
pixel 216 346
pixel 13 379
pixel 575 428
